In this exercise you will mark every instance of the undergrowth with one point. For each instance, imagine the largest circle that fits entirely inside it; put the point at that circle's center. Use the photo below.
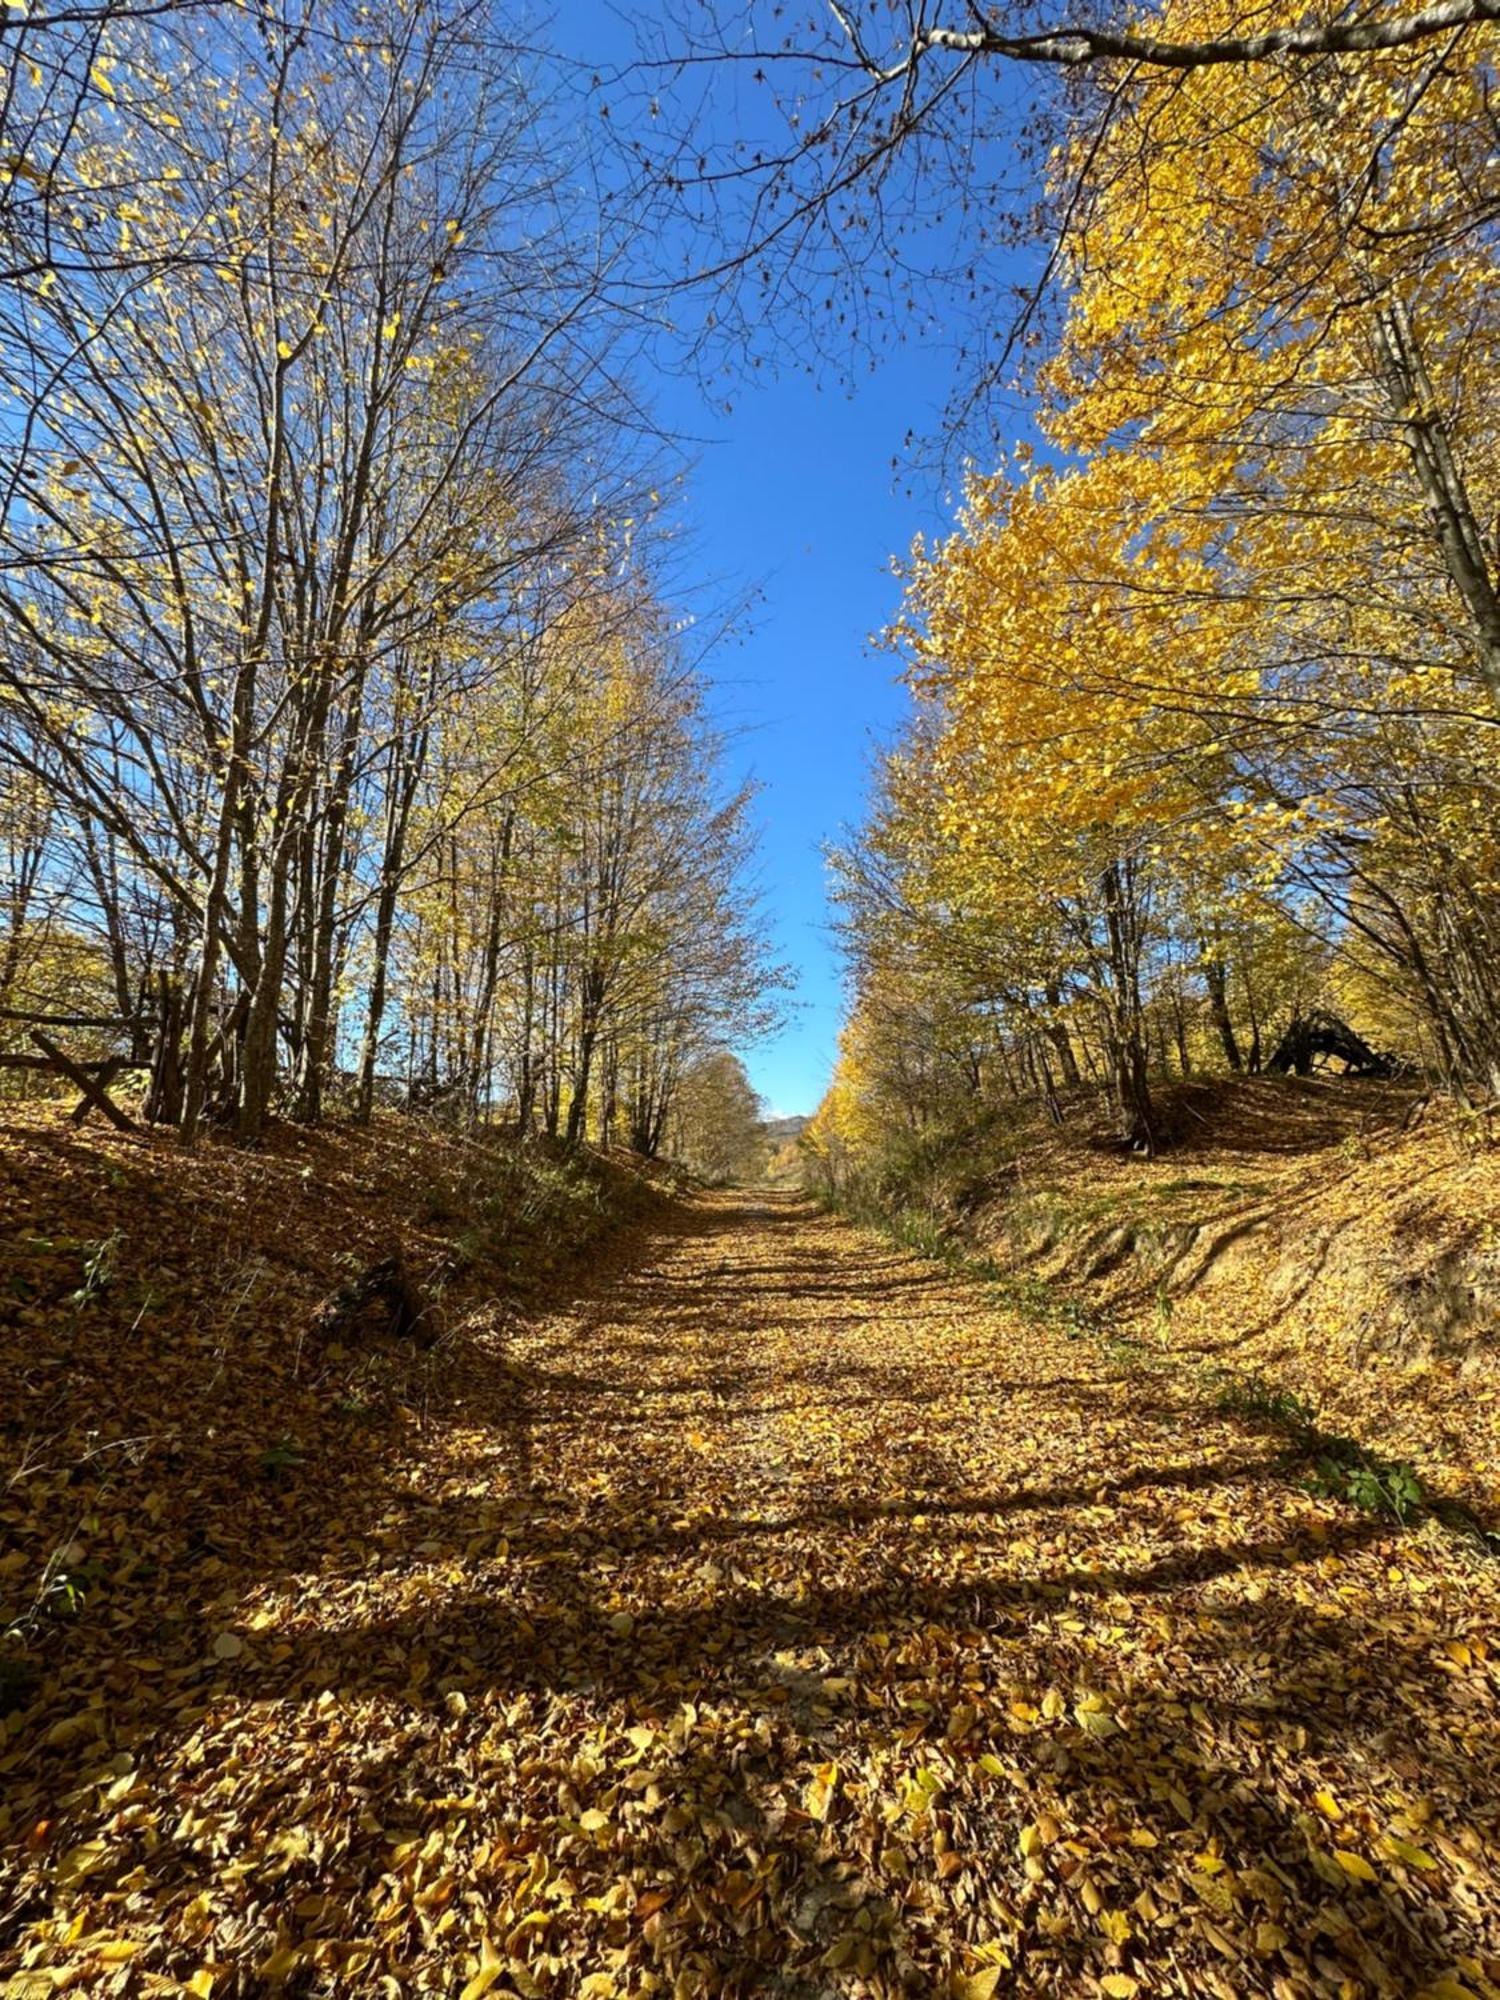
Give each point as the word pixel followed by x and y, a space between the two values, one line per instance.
pixel 525 1212
pixel 1343 1469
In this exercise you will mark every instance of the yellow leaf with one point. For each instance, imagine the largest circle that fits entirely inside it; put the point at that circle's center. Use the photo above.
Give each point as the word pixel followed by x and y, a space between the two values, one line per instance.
pixel 1354 1864
pixel 80 1861
pixel 981 1985
pixel 817 1799
pixel 100 81
pixel 1120 1985
pixel 1405 1850
pixel 70 1728
pixel 483 1980
pixel 1096 1721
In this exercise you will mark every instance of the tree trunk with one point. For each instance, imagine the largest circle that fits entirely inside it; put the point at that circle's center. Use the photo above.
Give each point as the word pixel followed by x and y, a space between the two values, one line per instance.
pixel 1253 1059
pixel 1415 404
pixel 206 973
pixel 258 1055
pixel 1062 1041
pixel 1216 979
pixel 1130 1075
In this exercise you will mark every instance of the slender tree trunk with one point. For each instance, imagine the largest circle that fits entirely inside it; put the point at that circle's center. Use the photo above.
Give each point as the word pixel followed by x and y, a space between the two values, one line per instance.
pixel 583 1067
pixel 1216 980
pixel 1131 1078
pixel 482 1021
pixel 385 918
pixel 526 1061
pixel 1416 406
pixel 258 1053
pixel 610 1092
pixel 1062 1041
pixel 1179 1029
pixel 404 779
pixel 1253 1059
pixel 206 972
pixel 18 905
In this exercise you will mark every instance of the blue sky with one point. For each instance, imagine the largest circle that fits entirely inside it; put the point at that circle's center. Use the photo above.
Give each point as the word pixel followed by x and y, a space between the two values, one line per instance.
pixel 794 492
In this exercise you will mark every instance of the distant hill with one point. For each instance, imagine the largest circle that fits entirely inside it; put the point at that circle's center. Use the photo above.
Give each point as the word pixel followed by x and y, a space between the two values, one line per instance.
pixel 782 1131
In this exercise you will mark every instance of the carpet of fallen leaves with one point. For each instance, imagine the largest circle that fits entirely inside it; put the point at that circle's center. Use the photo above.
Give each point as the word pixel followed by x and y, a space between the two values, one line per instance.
pixel 1311 1232
pixel 783 1616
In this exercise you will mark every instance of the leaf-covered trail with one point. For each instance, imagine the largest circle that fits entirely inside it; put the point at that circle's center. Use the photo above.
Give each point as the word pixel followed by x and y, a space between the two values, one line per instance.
pixel 789 1618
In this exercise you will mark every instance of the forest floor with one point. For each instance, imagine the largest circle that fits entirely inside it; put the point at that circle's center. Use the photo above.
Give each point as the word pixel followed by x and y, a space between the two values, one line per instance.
pixel 1327 1239
pixel 781 1615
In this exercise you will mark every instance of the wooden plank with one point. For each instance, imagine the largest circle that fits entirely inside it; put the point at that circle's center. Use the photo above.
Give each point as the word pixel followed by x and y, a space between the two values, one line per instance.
pixel 94 1093
pixel 18 1061
pixel 31 1020
pixel 104 1079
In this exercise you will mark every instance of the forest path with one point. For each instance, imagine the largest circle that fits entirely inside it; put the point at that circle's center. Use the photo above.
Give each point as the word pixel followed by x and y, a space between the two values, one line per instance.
pixel 788 1616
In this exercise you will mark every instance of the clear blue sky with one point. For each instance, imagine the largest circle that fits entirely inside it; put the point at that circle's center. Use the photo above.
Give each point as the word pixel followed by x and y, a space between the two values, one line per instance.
pixel 794 491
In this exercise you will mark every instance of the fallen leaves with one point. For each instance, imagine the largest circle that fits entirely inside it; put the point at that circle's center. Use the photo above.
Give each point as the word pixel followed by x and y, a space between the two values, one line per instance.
pixel 703 1639
pixel 1354 1865
pixel 817 1799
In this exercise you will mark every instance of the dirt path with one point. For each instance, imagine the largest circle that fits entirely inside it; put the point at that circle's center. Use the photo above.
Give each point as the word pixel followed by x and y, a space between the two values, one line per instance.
pixel 787 1618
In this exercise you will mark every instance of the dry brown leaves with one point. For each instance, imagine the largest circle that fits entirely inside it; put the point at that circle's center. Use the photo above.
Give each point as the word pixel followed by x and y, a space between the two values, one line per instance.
pixel 1338 1238
pixel 783 1617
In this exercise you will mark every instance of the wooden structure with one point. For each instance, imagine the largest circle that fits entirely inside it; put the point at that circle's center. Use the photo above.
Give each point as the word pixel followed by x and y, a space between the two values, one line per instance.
pixel 1320 1037
pixel 92 1076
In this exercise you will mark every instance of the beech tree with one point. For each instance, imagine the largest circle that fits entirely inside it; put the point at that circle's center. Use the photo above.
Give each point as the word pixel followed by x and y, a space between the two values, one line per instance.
pixel 573 944
pixel 1205 710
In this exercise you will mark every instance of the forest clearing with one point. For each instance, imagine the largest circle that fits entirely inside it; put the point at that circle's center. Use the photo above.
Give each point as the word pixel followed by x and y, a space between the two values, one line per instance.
pixel 770 1611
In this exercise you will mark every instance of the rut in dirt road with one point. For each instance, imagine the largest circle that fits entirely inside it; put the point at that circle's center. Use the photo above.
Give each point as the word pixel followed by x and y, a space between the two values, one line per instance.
pixel 788 1616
